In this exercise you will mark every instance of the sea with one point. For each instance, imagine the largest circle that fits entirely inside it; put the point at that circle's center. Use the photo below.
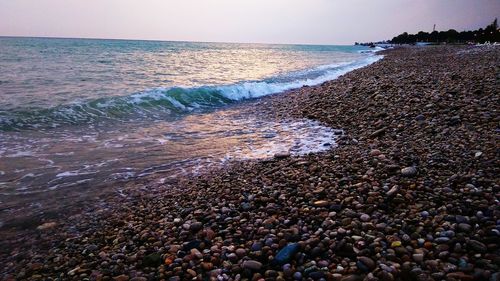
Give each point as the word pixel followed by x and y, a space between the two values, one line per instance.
pixel 78 115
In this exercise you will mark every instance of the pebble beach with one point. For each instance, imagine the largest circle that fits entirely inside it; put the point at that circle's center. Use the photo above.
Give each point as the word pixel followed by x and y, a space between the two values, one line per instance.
pixel 409 192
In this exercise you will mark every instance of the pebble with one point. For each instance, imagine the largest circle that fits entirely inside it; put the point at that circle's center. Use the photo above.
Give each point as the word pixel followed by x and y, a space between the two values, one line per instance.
pixel 366 264
pixel 396 244
pixel 409 172
pixel 321 203
pixel 252 265
pixel 477 246
pixel 418 258
pixel 464 227
pixel 364 217
pixel 285 255
pixel 47 225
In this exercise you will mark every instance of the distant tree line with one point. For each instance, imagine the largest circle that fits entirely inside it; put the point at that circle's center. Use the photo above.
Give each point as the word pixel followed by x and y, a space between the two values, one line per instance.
pixel 490 33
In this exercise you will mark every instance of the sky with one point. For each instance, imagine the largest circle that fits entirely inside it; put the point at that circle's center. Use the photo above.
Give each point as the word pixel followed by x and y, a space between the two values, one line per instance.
pixel 257 21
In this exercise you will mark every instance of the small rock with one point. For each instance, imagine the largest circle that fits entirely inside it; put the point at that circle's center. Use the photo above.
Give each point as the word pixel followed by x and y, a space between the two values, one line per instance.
pixel 459 276
pixel 464 227
pixel 396 244
pixel 241 252
pixel 352 277
pixel 286 254
pixel 365 217
pixel 152 260
pixel 418 257
pixel 47 225
pixel 378 133
pixel 365 263
pixel 477 246
pixel 424 214
pixel 321 203
pixel 297 276
pixel 442 240
pixel 122 277
pixel 392 191
pixel 196 226
pixel 252 265
pixel 409 171
pixel 281 155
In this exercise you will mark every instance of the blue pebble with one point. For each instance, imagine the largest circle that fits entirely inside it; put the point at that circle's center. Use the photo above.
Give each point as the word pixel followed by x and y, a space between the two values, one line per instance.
pixel 286 254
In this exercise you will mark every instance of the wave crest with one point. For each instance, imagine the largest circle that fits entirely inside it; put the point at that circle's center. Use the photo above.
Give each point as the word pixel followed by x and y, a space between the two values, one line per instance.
pixel 174 101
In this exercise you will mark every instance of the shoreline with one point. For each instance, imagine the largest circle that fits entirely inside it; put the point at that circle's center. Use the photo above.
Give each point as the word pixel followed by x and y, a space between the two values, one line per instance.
pixel 413 178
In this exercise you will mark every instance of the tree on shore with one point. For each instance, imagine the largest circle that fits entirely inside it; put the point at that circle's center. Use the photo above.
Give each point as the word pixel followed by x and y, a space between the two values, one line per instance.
pixel 490 33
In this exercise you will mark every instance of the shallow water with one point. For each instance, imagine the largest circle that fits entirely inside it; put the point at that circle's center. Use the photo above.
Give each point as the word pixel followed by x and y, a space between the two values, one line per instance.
pixel 37 161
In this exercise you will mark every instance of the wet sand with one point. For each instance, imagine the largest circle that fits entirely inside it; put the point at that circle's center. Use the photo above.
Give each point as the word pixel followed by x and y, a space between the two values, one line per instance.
pixel 410 193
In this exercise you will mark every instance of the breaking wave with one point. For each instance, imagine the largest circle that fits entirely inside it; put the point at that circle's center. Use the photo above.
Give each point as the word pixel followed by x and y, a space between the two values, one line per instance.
pixel 174 101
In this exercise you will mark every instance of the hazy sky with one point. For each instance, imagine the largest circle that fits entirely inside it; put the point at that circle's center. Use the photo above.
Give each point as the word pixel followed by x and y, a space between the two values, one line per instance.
pixel 267 21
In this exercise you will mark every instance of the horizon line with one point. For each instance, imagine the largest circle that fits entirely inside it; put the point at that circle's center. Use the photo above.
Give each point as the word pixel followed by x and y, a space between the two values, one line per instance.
pixel 164 40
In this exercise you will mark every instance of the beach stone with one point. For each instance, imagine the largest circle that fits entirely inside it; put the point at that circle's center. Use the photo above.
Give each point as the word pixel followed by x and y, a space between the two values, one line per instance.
pixel 365 264
pixel 454 120
pixel 282 155
pixel 418 258
pixel 378 133
pixel 196 253
pixel 297 276
pixel 461 219
pixel 396 244
pixel 316 275
pixel 152 260
pixel 393 191
pixel 460 276
pixel 364 217
pixel 241 252
pixel 464 227
pixel 409 171
pixel 256 246
pixel 195 226
pixel 321 203
pixel 252 265
pixel 323 264
pixel 441 240
pixel 232 257
pixel 352 277
pixel 477 246
pixel 424 214
pixel 286 254
pixel 191 245
pixel 122 277
pixel 191 272
pixel 47 225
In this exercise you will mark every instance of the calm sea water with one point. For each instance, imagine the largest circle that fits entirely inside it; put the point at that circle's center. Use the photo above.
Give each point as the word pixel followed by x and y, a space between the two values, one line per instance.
pixel 78 112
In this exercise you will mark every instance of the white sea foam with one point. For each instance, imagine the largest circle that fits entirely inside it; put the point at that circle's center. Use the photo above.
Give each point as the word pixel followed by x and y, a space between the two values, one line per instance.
pixel 73 173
